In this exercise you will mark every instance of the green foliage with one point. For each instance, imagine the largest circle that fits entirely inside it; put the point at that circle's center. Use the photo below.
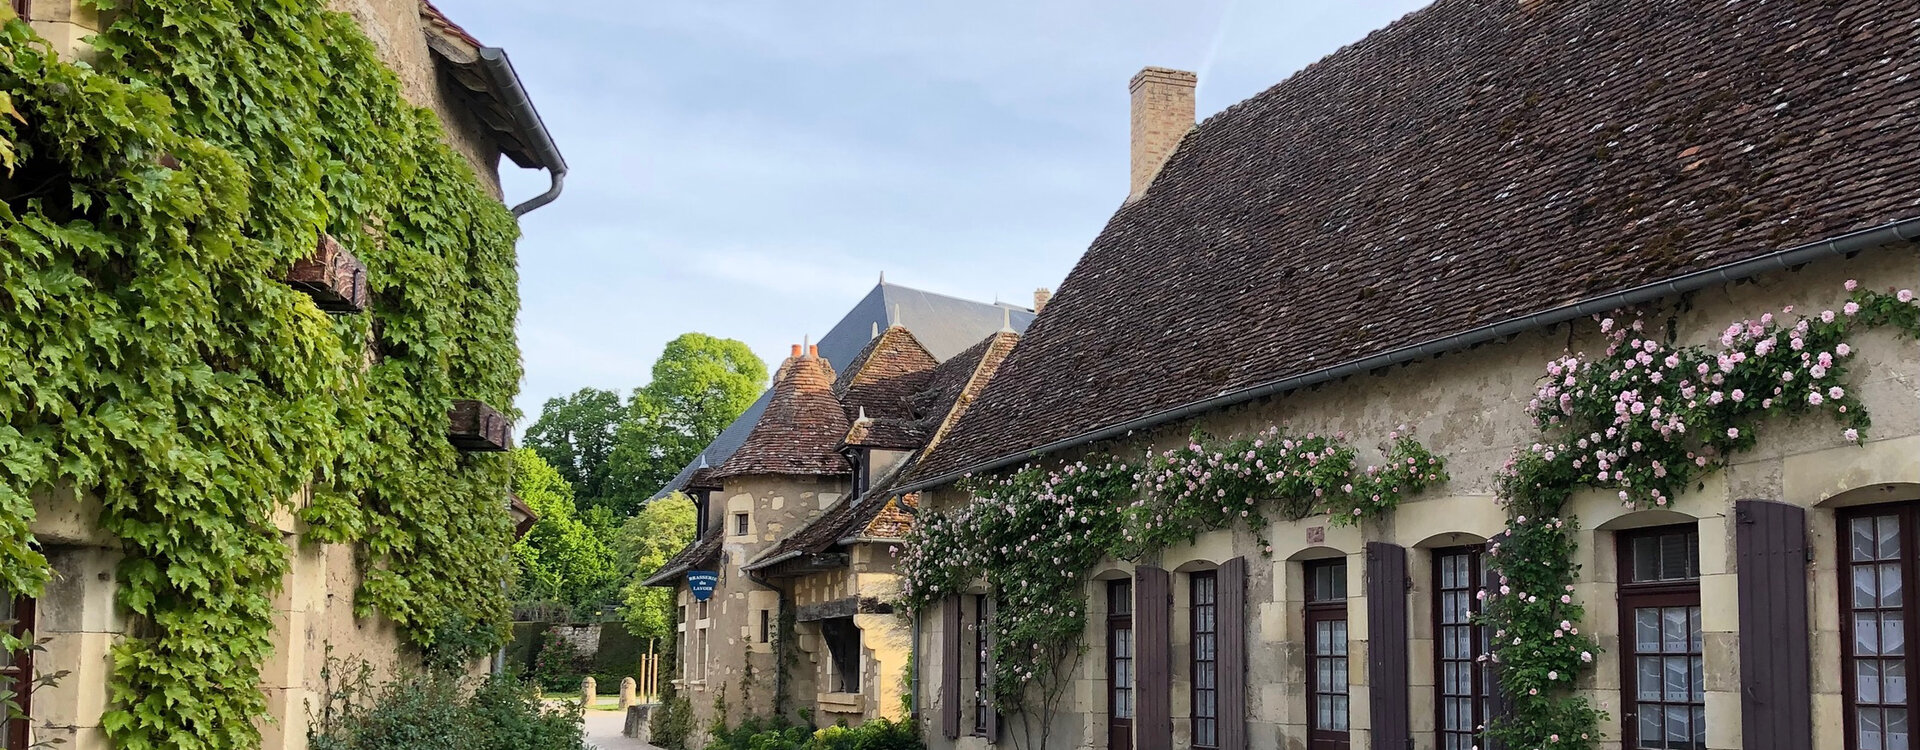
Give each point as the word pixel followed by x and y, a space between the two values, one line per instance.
pixel 672 722
pixel 433 712
pixel 159 364
pixel 560 664
pixel 575 435
pixel 1034 535
pixel 700 384
pixel 560 559
pixel 660 530
pixel 777 734
pixel 1646 420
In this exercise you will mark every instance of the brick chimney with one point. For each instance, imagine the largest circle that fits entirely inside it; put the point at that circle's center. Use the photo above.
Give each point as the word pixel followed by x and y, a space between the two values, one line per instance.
pixel 1040 298
pixel 1162 115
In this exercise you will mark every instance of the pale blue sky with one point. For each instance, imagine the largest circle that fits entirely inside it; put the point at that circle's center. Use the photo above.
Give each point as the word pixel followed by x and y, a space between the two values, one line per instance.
pixel 748 169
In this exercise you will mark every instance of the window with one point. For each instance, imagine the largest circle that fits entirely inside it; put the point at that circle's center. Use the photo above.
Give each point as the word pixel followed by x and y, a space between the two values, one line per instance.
pixel 1206 641
pixel 843 646
pixel 740 524
pixel 980 626
pixel 1662 675
pixel 1326 617
pixel 16 671
pixel 1874 613
pixel 766 626
pixel 1461 681
pixel 1119 664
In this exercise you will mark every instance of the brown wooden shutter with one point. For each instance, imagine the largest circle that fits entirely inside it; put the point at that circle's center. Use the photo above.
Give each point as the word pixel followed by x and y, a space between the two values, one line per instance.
pixel 1231 667
pixel 993 712
pixel 1387 674
pixel 1776 709
pixel 1153 659
pixel 950 651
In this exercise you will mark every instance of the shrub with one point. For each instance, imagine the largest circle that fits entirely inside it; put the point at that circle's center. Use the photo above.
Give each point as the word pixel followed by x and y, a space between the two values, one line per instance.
pixel 670 725
pixel 777 734
pixel 560 665
pixel 433 712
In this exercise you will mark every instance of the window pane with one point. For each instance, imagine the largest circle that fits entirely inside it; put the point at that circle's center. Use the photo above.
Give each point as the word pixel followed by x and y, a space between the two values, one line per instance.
pixel 1867 680
pixel 1675 630
pixel 1679 726
pixel 1646 559
pixel 1866 634
pixel 1869 725
pixel 1893 634
pixel 1893 680
pixel 1340 637
pixel 1863 548
pixel 1895 720
pixel 1889 537
pixel 1693 626
pixel 1891 590
pixel 1651 728
pixel 1646 630
pixel 1340 713
pixel 1648 679
pixel 1866 589
pixel 1324 719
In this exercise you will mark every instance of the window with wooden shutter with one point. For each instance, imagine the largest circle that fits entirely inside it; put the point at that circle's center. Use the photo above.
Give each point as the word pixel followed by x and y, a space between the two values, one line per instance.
pixel 1328 704
pixel 1120 664
pixel 1877 560
pixel 1152 611
pixel 1770 545
pixel 1461 684
pixel 1232 595
pixel 1664 664
pixel 950 651
pixel 1389 707
pixel 16 672
pixel 1205 707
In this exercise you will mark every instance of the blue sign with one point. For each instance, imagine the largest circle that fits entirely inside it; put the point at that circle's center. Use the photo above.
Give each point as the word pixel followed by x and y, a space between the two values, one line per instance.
pixel 702 583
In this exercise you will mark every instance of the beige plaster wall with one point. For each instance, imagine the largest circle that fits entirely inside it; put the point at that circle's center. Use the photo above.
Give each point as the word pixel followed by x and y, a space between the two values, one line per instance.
pixel 734 657
pixel 1469 407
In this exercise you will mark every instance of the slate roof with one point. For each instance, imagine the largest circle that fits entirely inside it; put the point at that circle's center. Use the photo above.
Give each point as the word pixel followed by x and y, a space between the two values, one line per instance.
pixel 799 432
pixel 1473 163
pixel 943 325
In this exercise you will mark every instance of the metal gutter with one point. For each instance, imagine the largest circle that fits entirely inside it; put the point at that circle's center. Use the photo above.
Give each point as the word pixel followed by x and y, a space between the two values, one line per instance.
pixel 1907 230
pixel 526 119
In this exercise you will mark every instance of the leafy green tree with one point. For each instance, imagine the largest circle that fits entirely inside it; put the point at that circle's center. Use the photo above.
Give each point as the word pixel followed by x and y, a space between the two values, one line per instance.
pixel 646 541
pixel 700 384
pixel 575 435
pixel 560 560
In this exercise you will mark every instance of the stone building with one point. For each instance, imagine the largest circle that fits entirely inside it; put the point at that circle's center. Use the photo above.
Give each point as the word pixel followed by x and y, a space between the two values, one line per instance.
pixel 1403 236
pixel 485 115
pixel 797 520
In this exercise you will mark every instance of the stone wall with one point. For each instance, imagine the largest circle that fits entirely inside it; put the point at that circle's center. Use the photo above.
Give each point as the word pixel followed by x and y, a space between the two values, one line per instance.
pixel 1470 408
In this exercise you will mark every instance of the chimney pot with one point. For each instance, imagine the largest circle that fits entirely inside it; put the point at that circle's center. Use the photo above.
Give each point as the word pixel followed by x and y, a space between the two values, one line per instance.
pixel 1041 297
pixel 1162 114
pixel 813 351
pixel 796 350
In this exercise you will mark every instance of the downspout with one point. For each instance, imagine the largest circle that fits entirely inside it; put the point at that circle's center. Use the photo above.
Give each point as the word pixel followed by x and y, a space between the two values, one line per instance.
pixel 526 121
pixel 1907 230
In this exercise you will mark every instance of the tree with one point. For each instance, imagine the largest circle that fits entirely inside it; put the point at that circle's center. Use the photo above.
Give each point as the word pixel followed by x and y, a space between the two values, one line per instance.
pixel 575 435
pixel 646 541
pixel 560 561
pixel 700 384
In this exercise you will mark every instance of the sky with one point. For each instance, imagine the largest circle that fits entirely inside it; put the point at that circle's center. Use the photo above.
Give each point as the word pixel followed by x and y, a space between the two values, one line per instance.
pixel 748 169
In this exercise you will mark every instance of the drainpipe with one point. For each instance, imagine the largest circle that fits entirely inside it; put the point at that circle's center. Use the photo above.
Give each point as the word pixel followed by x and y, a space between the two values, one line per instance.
pixel 526 121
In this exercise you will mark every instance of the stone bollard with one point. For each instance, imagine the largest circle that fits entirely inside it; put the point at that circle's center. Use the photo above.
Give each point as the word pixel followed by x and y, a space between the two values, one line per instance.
pixel 587 693
pixel 626 693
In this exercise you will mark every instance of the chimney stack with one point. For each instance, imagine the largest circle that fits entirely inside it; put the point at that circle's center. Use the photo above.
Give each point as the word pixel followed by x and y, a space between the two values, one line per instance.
pixel 1162 115
pixel 796 351
pixel 1040 298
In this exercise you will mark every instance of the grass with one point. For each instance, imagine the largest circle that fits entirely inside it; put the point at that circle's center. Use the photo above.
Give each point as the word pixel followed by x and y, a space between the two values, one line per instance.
pixel 601 702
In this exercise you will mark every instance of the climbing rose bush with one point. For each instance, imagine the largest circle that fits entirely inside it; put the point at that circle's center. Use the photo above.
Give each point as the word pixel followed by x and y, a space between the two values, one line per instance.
pixel 1035 534
pixel 1644 420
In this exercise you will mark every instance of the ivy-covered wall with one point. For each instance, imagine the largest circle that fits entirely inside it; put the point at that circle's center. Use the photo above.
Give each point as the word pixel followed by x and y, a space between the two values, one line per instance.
pixel 161 371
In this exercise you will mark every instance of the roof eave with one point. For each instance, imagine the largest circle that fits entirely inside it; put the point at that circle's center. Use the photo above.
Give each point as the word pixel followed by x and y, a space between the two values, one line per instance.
pixel 1903 230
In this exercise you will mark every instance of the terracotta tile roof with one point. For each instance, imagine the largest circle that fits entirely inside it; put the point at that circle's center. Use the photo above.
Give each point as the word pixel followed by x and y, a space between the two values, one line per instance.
pixel 800 431
pixel 1472 163
pixel 880 386
pixel 880 514
pixel 439 21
